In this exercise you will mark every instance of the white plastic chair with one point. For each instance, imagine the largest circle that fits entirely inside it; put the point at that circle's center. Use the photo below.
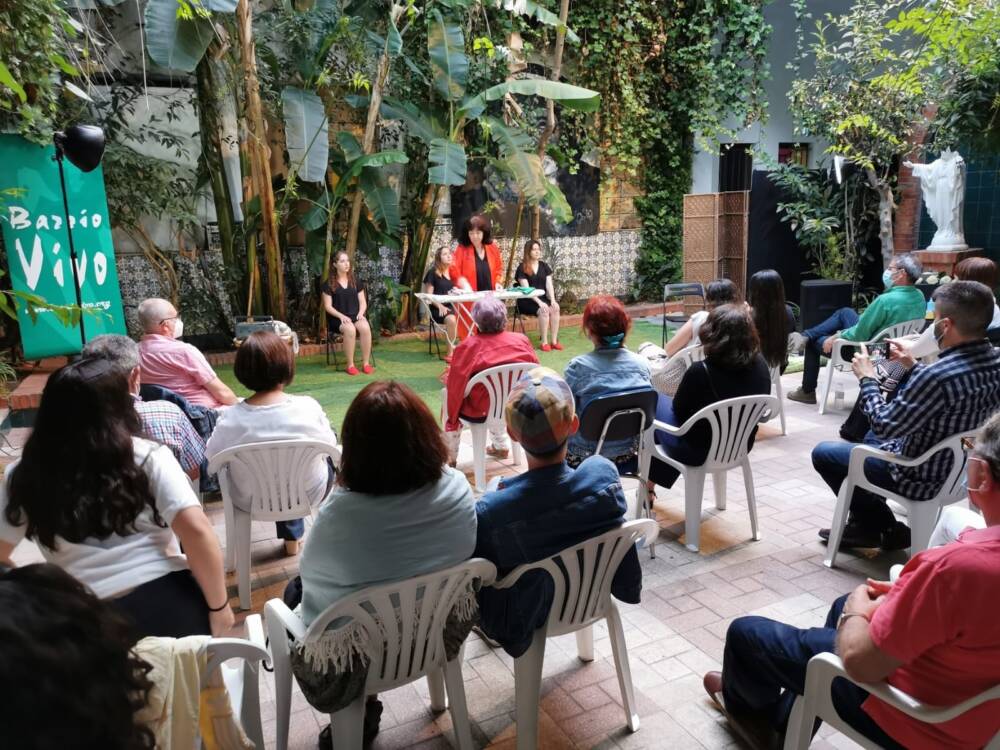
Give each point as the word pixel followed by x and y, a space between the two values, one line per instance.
pixel 498 382
pixel 922 515
pixel 242 682
pixel 837 364
pixel 817 703
pixel 402 624
pixel 279 470
pixel 732 421
pixel 582 576
pixel 779 394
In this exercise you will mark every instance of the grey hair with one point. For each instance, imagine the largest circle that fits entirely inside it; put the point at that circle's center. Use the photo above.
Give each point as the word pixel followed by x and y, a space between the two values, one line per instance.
pixel 120 350
pixel 490 314
pixel 910 265
pixel 988 445
pixel 151 312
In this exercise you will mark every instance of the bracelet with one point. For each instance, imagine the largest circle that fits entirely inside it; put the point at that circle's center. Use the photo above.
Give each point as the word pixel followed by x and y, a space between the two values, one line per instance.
pixel 845 615
pixel 219 609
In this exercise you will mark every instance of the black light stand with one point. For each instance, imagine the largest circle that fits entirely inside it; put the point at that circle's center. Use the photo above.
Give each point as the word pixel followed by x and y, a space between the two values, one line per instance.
pixel 83 145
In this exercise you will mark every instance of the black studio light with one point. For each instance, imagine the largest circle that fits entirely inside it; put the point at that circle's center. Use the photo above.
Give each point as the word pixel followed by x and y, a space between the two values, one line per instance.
pixel 83 145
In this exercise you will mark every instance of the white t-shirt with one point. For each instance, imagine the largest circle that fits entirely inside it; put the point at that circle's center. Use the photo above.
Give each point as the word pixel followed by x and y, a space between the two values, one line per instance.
pixel 118 564
pixel 297 417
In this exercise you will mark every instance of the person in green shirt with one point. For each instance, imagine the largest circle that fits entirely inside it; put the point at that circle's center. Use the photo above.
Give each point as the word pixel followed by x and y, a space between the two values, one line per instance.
pixel 900 302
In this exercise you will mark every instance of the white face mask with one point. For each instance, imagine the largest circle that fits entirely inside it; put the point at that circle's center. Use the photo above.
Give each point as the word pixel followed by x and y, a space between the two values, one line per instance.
pixel 926 344
pixel 178 328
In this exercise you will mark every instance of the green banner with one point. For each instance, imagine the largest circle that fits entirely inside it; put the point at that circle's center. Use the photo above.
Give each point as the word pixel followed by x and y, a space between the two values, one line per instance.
pixel 35 235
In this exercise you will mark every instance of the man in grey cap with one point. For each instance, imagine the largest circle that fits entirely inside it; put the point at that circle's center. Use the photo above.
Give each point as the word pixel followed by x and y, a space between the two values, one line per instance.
pixel 537 514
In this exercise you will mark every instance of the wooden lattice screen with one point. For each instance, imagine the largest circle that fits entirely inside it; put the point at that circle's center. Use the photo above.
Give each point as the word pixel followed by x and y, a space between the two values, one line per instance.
pixel 715 238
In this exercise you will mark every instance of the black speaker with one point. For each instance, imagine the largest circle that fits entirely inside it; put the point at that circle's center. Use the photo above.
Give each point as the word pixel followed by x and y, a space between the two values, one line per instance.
pixel 820 298
pixel 770 241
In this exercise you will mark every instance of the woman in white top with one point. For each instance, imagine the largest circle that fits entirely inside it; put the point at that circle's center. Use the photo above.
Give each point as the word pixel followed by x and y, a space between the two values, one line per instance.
pixel 265 365
pixel 668 378
pixel 105 505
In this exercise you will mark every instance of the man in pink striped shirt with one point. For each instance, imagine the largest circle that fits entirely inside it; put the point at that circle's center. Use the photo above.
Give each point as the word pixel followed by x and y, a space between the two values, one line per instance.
pixel 169 362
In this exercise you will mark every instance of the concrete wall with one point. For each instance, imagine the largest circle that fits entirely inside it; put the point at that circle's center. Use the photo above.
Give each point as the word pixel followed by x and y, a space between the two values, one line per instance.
pixel 779 128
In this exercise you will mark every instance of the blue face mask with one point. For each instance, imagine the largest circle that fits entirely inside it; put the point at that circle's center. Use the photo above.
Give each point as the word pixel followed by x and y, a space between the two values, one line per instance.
pixel 887 278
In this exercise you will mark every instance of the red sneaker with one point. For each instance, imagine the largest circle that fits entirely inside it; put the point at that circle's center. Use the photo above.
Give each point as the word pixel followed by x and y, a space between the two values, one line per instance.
pixel 352 370
pixel 368 369
pixel 556 345
pixel 546 348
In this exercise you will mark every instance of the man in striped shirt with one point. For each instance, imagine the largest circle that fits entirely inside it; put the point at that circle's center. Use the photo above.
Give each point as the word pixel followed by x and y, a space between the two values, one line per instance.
pixel 958 393
pixel 161 420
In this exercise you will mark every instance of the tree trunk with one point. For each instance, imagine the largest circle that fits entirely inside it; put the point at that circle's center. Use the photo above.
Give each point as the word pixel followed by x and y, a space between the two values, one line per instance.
pixel 550 110
pixel 417 257
pixel 886 205
pixel 258 155
pixel 514 241
pixel 367 144
pixel 208 126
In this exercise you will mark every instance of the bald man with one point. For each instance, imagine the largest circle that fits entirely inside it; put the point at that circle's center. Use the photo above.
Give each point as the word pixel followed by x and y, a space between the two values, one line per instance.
pixel 169 362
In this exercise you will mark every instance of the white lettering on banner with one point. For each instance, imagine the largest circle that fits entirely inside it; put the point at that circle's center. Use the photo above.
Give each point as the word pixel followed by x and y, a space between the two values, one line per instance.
pixel 42 222
pixel 100 268
pixel 83 219
pixel 19 218
pixel 57 271
pixel 32 270
pixel 81 268
pixel 95 221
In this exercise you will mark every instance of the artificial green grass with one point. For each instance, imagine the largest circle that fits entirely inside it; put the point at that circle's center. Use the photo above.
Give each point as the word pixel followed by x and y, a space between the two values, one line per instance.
pixel 407 360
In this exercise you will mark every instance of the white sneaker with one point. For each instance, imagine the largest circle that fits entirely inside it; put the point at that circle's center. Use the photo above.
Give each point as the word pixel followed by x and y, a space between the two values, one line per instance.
pixel 796 343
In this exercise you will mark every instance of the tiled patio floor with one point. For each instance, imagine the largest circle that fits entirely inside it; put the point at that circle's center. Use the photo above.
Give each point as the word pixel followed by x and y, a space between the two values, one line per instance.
pixel 674 635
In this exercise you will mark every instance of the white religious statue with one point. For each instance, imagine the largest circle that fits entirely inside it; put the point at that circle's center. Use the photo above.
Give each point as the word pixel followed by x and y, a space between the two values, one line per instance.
pixel 943 185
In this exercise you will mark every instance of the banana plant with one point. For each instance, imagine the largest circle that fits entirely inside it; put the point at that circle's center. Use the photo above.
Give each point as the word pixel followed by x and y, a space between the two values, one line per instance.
pixel 441 121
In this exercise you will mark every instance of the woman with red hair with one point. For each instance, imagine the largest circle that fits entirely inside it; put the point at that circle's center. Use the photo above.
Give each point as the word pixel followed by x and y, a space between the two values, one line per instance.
pixel 476 266
pixel 609 369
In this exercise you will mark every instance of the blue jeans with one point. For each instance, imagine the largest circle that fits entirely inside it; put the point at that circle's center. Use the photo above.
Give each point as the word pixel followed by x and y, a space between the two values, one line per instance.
pixel 764 669
pixel 831 459
pixel 290 530
pixel 678 448
pixel 845 317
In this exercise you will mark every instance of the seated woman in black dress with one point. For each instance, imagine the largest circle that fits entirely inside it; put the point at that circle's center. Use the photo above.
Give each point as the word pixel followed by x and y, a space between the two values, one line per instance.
pixel 345 303
pixel 773 318
pixel 733 367
pixel 437 281
pixel 535 272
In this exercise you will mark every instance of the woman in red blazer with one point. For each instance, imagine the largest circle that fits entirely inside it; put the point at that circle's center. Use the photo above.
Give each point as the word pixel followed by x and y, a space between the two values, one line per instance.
pixel 477 265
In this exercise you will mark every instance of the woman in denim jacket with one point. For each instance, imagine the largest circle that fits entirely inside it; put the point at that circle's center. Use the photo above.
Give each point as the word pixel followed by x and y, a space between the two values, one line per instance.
pixel 609 369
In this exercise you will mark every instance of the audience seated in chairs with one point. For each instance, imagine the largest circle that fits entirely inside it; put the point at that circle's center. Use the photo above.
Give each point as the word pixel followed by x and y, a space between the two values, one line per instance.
pixel 379 525
pixel 667 379
pixel 772 317
pixel 932 633
pixel 493 345
pixel 106 504
pixel 265 365
pixel 609 369
pixel 901 301
pixel 162 421
pixel 531 516
pixel 733 367
pixel 168 361
pixel 69 677
pixel 984 271
pixel 957 393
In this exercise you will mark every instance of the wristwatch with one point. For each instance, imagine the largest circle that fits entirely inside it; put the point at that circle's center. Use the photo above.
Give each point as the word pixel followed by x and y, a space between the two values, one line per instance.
pixel 845 615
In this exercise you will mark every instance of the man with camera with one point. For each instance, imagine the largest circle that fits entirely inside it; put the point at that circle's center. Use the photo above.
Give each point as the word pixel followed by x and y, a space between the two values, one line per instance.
pixel 957 393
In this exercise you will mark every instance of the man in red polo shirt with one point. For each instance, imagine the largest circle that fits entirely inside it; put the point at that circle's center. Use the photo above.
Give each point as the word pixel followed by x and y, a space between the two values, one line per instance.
pixel 934 634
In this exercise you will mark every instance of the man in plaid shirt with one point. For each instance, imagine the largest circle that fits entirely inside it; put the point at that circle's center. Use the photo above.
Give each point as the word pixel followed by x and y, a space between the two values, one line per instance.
pixel 958 393
pixel 161 420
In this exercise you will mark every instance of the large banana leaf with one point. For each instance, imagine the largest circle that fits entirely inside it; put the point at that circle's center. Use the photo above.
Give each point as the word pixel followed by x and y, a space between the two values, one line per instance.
pixel 379 159
pixel 448 160
pixel 557 203
pixel 422 125
pixel 572 97
pixel 306 133
pixel 91 4
pixel 525 167
pixel 381 199
pixel 350 145
pixel 446 50
pixel 174 43
pixel 530 9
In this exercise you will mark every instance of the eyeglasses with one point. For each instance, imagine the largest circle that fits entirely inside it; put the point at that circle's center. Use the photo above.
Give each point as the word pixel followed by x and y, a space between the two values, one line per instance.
pixel 969 444
pixel 172 317
pixel 986 469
